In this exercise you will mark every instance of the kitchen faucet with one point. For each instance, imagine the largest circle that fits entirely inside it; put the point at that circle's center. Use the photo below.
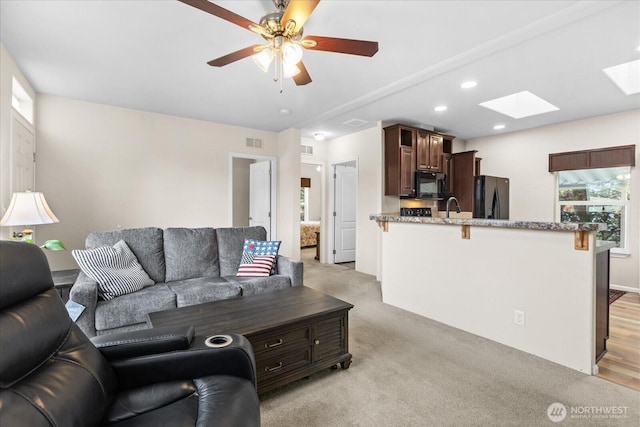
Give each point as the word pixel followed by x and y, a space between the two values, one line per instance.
pixel 449 203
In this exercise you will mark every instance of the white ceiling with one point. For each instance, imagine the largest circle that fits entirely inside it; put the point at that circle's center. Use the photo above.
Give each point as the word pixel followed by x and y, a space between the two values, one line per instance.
pixel 151 55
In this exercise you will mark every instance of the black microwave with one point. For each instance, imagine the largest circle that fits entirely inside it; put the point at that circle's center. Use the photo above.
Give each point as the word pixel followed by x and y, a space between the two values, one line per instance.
pixel 430 185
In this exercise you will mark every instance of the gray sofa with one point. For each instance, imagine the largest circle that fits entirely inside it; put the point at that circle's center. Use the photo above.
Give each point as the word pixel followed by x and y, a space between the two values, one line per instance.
pixel 188 265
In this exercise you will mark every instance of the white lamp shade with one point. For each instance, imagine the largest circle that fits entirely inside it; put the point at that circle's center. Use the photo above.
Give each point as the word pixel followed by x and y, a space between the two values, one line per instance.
pixel 290 70
pixel 291 53
pixel 28 209
pixel 263 59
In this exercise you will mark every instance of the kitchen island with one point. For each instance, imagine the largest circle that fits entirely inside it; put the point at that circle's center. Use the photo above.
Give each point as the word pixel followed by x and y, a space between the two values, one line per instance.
pixel 528 285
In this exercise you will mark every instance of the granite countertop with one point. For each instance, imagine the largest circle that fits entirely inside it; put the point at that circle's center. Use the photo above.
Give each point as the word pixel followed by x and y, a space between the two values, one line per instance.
pixel 604 245
pixel 499 223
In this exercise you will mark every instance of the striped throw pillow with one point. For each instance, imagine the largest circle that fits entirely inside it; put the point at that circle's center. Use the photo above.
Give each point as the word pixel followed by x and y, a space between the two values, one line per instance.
pixel 260 266
pixel 116 269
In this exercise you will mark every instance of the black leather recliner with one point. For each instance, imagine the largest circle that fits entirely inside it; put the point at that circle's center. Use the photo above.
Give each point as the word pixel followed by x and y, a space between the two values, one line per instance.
pixel 51 374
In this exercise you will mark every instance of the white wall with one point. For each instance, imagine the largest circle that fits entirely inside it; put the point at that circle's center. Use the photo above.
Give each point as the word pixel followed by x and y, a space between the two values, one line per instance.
pixel 366 147
pixel 289 193
pixel 476 284
pixel 9 70
pixel 241 178
pixel 104 167
pixel 524 158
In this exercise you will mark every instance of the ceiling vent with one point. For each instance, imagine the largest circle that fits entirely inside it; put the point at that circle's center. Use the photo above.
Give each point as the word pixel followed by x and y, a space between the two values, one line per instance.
pixel 306 149
pixel 254 142
pixel 355 122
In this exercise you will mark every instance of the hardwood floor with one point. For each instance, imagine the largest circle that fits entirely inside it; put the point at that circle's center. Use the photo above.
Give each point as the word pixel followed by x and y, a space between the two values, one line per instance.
pixel 621 363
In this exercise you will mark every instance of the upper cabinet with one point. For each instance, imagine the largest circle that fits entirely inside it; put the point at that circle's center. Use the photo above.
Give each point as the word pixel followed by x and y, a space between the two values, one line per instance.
pixel 400 160
pixel 429 151
pixel 408 149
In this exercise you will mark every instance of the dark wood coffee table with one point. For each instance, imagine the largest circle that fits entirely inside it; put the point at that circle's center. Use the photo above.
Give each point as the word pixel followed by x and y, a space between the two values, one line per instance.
pixel 294 332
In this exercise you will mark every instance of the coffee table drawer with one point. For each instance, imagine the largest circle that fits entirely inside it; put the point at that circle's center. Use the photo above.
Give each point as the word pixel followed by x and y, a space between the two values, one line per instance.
pixel 282 339
pixel 272 367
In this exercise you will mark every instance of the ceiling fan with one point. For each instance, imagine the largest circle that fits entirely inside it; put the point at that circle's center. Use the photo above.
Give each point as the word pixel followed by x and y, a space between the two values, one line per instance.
pixel 284 35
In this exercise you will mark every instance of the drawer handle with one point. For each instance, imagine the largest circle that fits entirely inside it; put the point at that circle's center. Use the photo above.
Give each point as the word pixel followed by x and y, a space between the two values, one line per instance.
pixel 275 344
pixel 274 368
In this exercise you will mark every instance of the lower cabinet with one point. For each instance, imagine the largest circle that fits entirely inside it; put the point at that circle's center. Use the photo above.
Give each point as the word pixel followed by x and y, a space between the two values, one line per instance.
pixel 296 351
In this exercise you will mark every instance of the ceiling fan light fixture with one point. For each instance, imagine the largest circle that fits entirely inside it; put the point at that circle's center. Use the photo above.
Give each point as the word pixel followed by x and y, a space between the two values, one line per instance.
pixel 263 59
pixel 289 70
pixel 291 53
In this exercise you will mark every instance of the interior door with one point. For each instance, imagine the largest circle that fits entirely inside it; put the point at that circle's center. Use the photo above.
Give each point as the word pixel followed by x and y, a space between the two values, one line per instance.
pixel 260 195
pixel 22 157
pixel 345 194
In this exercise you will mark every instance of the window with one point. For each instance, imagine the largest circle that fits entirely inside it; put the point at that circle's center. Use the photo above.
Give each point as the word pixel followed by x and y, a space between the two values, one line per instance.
pixel 597 195
pixel 21 101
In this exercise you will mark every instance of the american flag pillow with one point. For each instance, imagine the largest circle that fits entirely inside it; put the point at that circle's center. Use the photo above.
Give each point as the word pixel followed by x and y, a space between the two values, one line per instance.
pixel 258 258
pixel 260 266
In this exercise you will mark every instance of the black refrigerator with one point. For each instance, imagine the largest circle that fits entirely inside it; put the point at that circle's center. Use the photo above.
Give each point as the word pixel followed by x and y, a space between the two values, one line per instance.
pixel 491 197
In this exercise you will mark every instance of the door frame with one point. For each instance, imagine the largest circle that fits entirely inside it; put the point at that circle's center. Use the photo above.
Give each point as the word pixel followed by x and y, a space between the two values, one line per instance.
pixel 274 188
pixel 330 246
pixel 323 206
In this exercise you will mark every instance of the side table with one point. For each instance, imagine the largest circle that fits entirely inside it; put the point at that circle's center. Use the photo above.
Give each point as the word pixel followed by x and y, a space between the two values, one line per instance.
pixel 63 280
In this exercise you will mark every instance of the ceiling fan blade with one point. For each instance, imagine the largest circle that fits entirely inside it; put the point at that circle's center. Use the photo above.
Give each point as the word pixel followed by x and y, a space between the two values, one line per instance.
pixel 298 11
pixel 220 12
pixel 303 77
pixel 348 46
pixel 234 56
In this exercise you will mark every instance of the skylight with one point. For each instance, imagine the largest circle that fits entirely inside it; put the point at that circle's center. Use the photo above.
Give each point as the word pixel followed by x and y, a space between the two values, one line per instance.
pixel 519 105
pixel 626 76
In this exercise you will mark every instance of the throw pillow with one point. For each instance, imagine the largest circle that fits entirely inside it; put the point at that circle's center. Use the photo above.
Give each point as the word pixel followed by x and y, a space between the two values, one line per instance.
pixel 116 269
pixel 258 258
pixel 260 266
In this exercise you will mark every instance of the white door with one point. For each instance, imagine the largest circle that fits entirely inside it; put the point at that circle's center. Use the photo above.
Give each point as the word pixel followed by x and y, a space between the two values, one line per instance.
pixel 345 194
pixel 22 157
pixel 260 195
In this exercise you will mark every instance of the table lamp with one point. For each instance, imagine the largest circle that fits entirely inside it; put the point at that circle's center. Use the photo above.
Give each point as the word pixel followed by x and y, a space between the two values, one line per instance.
pixel 26 209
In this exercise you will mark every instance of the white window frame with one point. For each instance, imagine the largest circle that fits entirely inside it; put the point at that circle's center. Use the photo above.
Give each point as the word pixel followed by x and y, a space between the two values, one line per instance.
pixel 624 221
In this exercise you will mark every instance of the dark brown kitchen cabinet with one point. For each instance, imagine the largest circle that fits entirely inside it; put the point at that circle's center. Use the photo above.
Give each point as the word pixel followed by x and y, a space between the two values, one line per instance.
pixel 400 160
pixel 462 170
pixel 429 151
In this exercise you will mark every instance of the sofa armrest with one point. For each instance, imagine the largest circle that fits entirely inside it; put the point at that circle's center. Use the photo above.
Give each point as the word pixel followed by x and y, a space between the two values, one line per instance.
pixel 198 361
pixel 126 345
pixel 85 292
pixel 293 269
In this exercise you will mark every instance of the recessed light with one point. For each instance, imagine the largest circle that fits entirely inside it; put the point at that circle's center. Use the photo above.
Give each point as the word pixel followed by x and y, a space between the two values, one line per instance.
pixel 498 127
pixel 519 105
pixel 626 76
pixel 468 84
pixel 285 111
pixel 318 136
pixel 319 168
pixel 441 108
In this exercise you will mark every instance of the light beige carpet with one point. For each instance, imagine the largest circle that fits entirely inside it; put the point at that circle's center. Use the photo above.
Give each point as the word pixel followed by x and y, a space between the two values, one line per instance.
pixel 411 371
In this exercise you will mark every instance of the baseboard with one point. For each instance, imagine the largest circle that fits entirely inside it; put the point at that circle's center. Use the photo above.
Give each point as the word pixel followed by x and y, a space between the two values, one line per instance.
pixel 624 288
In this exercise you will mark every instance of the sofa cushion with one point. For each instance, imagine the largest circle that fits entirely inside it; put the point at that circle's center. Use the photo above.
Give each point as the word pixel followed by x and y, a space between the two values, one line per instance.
pixel 133 308
pixel 115 268
pixel 203 289
pixel 190 253
pixel 145 243
pixel 258 285
pixel 231 243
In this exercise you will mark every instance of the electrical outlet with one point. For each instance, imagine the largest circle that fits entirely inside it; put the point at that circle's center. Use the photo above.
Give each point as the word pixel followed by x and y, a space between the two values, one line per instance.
pixel 518 317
